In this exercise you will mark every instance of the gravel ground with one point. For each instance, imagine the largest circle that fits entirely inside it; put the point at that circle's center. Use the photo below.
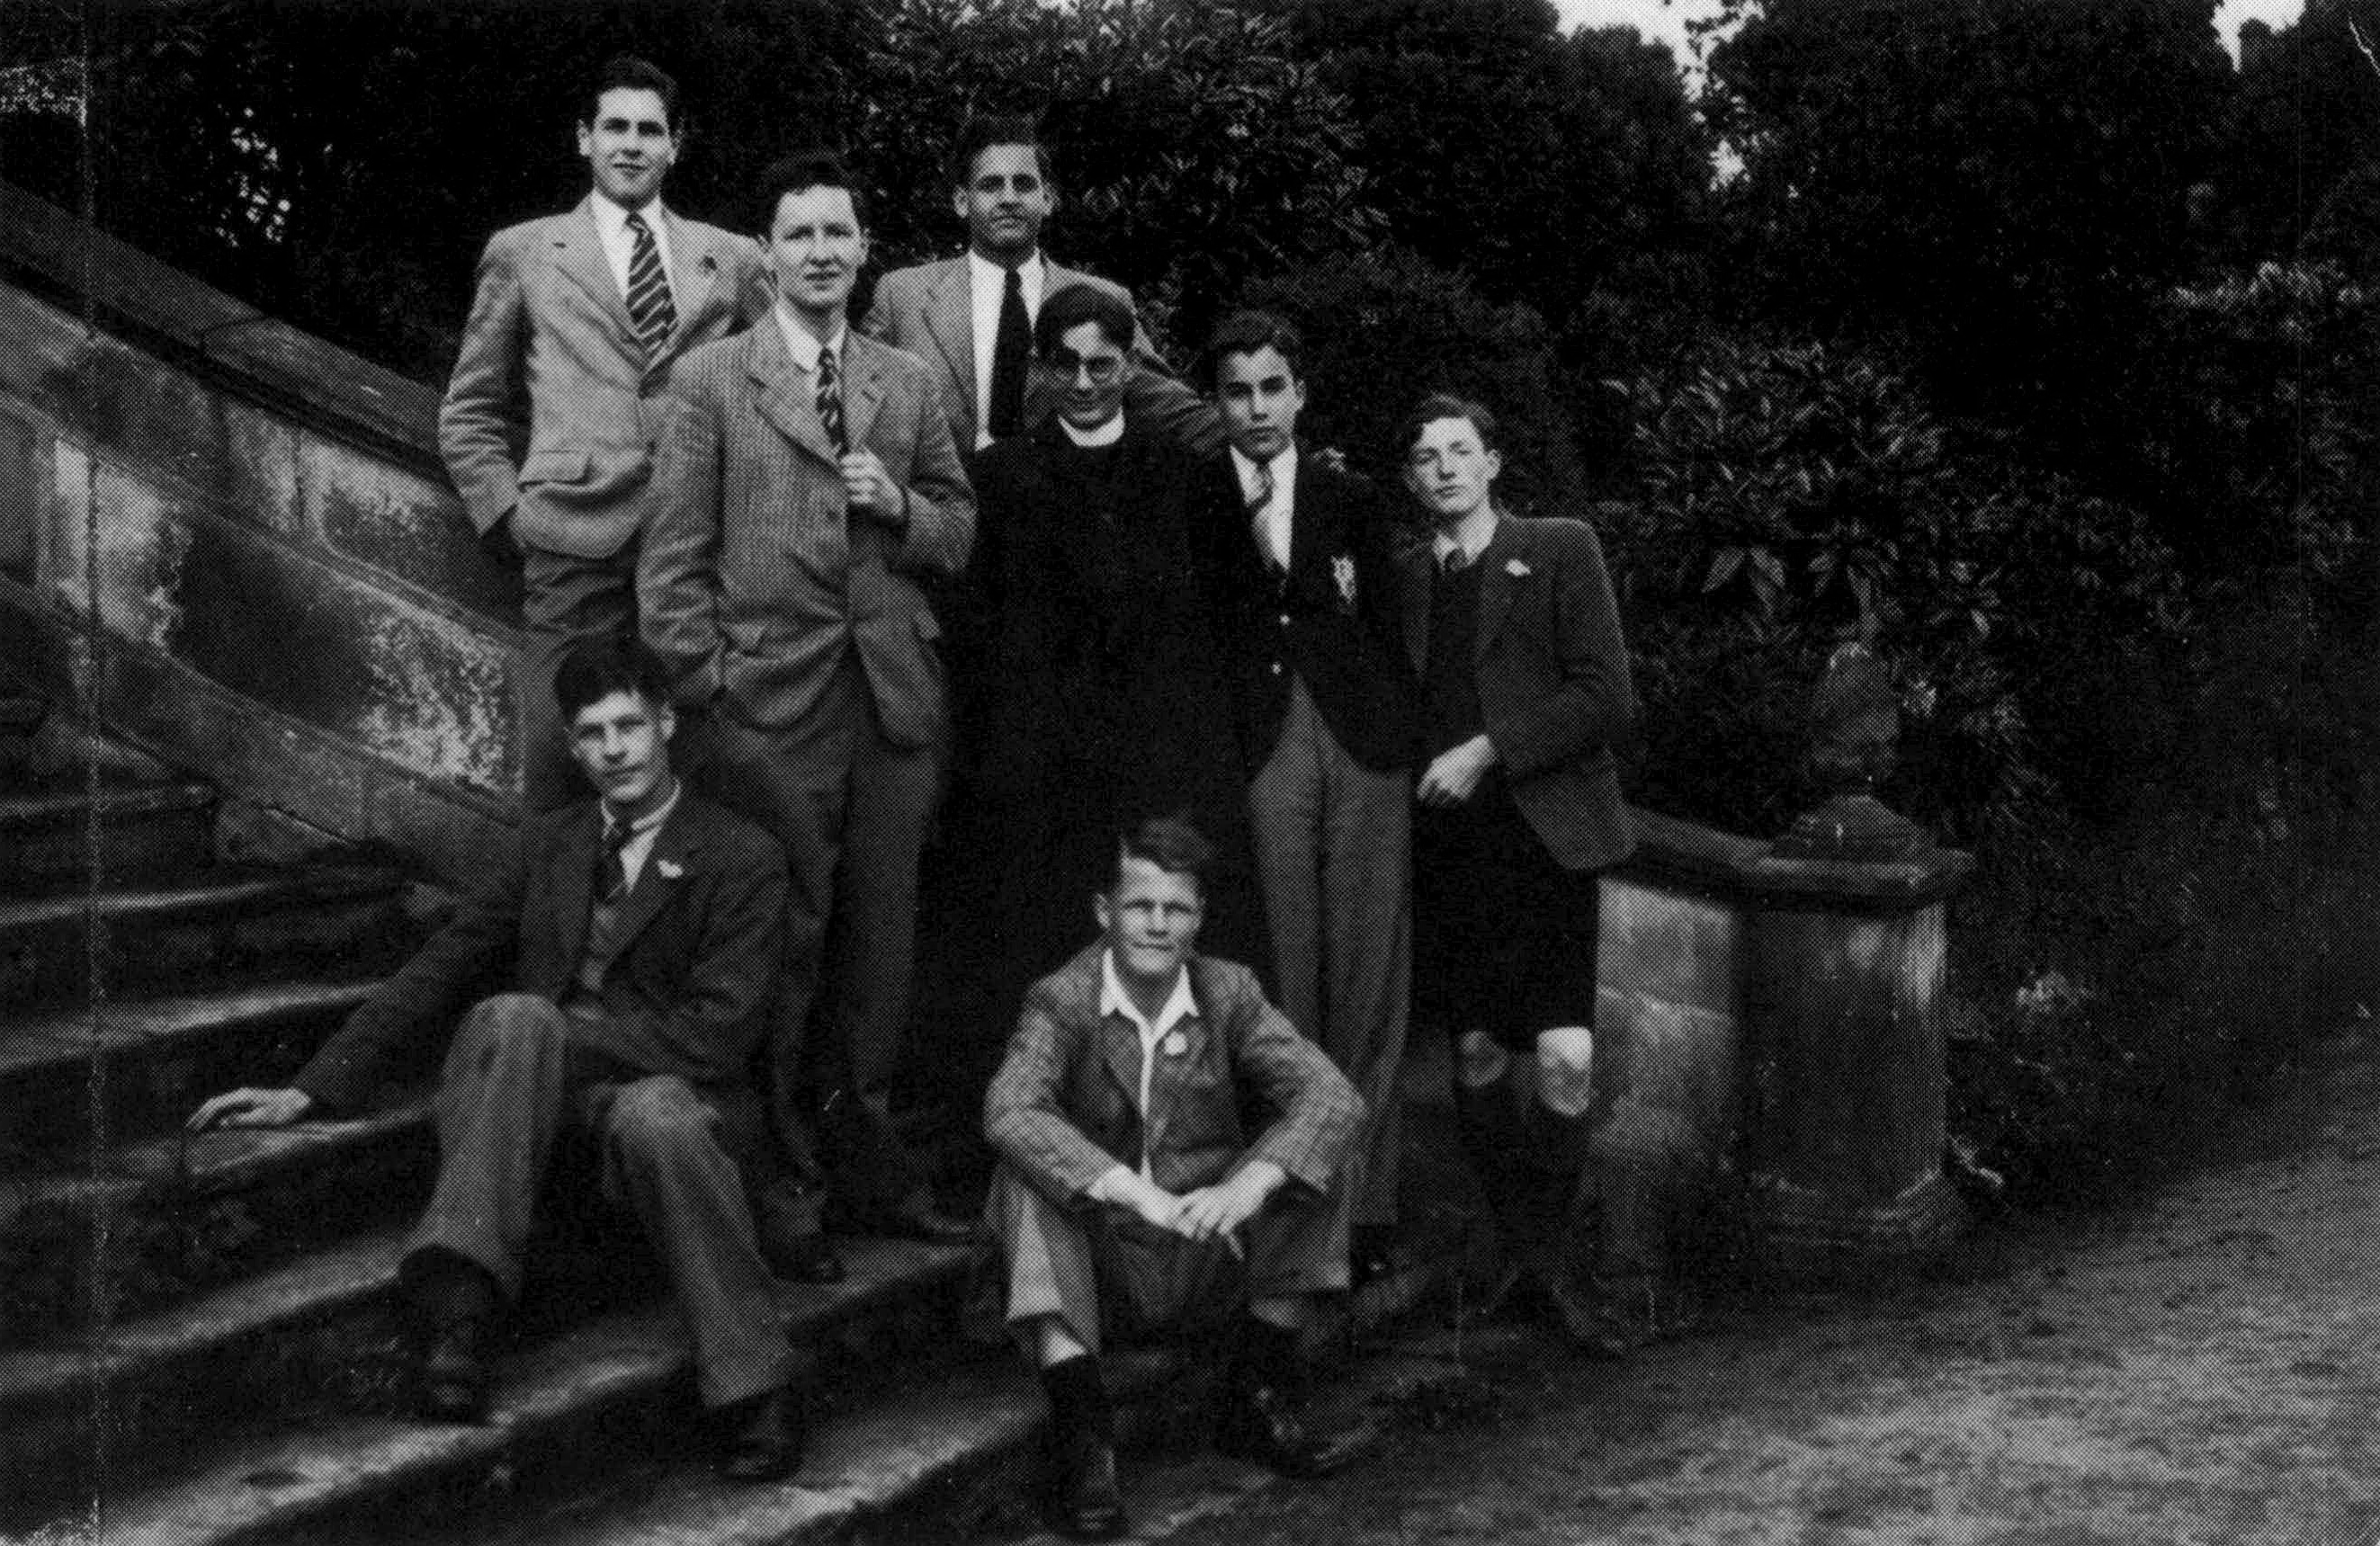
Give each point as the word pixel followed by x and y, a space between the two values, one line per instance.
pixel 2192 1367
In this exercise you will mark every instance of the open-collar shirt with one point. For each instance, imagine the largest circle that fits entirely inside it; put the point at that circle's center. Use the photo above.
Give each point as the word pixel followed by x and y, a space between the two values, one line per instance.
pixel 1179 1007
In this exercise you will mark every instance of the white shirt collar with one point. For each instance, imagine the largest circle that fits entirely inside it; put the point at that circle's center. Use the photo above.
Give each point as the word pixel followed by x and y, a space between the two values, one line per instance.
pixel 1106 434
pixel 619 247
pixel 643 831
pixel 1272 521
pixel 1114 999
pixel 805 347
pixel 987 286
pixel 1477 531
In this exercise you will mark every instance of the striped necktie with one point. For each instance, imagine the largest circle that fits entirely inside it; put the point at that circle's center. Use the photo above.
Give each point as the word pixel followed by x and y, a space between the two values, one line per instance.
pixel 829 400
pixel 650 311
pixel 612 865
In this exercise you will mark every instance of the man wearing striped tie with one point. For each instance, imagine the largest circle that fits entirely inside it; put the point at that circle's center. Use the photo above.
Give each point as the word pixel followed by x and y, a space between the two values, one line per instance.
pixel 548 421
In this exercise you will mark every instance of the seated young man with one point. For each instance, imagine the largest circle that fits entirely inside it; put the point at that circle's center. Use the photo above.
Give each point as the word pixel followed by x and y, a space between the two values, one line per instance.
pixel 630 947
pixel 1130 1198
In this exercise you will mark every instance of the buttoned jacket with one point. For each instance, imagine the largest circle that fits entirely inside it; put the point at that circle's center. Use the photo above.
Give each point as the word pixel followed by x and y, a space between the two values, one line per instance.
pixel 1552 677
pixel 755 577
pixel 1240 1085
pixel 551 413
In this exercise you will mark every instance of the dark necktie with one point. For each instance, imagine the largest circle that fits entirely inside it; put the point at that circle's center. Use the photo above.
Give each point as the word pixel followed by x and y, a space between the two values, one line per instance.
pixel 829 400
pixel 650 311
pixel 1010 347
pixel 1455 561
pixel 612 872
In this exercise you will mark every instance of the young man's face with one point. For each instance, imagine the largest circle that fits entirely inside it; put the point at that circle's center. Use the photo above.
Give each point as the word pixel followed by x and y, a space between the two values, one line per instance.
pixel 815 249
pixel 1150 920
pixel 1450 469
pixel 629 145
pixel 621 742
pixel 1259 397
pixel 1004 201
pixel 1087 370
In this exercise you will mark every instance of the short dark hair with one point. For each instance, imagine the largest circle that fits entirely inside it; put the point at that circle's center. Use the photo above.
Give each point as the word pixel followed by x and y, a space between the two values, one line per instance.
pixel 592 670
pixel 634 74
pixel 1172 843
pixel 1069 308
pixel 983 130
pixel 1445 404
pixel 1246 332
pixel 798 173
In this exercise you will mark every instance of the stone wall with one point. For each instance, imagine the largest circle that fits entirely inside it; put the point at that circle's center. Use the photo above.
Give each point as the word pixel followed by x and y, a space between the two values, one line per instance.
pixel 233 545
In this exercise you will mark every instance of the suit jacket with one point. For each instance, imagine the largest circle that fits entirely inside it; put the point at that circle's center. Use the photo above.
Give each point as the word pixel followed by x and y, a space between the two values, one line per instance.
pixel 1062 1108
pixel 1332 619
pixel 1553 678
pixel 754 577
pixel 702 933
pixel 929 312
pixel 550 412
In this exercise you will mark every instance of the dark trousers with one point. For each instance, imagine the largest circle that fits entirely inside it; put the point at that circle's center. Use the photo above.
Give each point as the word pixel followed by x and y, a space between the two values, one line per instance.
pixel 566 599
pixel 515 1081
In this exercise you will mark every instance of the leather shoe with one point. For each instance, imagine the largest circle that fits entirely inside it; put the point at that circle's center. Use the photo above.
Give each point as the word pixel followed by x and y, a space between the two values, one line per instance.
pixel 915 1217
pixel 809 1257
pixel 1082 1502
pixel 1260 1425
pixel 762 1438
pixel 454 1382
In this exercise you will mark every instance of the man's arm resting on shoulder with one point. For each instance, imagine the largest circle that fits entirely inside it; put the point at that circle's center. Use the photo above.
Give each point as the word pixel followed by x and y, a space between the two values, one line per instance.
pixel 484 419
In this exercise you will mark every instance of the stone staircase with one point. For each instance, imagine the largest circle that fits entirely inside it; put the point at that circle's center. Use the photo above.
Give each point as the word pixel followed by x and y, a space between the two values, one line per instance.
pixel 197 1342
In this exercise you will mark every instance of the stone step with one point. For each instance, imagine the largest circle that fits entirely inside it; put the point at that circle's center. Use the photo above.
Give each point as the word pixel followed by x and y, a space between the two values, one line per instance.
pixel 227 921
pixel 577 1404
pixel 144 830
pixel 180 1218
pixel 146 1063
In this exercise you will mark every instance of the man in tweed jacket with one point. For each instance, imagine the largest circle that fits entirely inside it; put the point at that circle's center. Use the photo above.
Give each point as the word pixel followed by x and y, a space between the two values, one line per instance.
pixel 1132 1196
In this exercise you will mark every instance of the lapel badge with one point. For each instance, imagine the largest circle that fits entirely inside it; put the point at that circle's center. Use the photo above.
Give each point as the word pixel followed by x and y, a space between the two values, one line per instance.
pixel 1176 1044
pixel 671 869
pixel 1343 573
pixel 1516 568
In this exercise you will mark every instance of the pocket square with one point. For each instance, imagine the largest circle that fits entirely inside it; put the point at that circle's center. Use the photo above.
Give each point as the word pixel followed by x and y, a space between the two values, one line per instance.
pixel 671 869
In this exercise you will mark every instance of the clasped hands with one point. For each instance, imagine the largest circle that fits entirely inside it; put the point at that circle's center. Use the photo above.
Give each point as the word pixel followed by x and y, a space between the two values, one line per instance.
pixel 1207 1213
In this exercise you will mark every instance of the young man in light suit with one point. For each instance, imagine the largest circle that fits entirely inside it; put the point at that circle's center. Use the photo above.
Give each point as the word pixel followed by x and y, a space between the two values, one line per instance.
pixel 1297 555
pixel 629 948
pixel 807 495
pixel 1135 1194
pixel 1526 692
pixel 548 422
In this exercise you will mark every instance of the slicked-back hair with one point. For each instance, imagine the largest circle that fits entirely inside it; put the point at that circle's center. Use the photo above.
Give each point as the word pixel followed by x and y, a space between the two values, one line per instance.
pixel 1172 843
pixel 1445 404
pixel 1247 332
pixel 1076 303
pixel 632 73
pixel 983 130
pixel 592 670
pixel 798 173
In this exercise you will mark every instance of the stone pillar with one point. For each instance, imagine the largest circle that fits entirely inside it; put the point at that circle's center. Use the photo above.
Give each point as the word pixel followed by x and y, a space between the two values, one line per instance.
pixel 1848 964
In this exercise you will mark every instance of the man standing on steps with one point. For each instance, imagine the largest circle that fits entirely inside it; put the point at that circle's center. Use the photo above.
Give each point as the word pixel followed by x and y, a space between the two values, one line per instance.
pixel 1131 1197
pixel 631 944
pixel 1298 558
pixel 807 495
pixel 548 424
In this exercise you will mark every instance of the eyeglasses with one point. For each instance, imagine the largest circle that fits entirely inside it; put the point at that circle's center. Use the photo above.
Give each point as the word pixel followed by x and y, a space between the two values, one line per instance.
pixel 1102 368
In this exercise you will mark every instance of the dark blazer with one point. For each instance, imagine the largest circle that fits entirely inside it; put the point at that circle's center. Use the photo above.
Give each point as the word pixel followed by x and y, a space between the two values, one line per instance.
pixel 929 310
pixel 550 413
pixel 1553 680
pixel 754 577
pixel 1062 1108
pixel 703 932
pixel 1333 619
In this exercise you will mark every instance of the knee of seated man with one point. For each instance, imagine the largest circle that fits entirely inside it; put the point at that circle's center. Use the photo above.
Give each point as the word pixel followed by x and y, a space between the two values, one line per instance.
pixel 660 1114
pixel 1479 1059
pixel 1565 1069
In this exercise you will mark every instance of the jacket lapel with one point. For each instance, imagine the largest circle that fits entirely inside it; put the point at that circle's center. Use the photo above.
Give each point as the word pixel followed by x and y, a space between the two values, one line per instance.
pixel 863 387
pixel 572 862
pixel 950 321
pixel 666 864
pixel 1496 581
pixel 784 399
pixel 1120 1050
pixel 579 252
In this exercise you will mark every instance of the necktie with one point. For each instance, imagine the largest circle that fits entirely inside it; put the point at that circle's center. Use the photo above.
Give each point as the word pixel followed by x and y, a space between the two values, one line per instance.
pixel 612 873
pixel 650 311
pixel 829 400
pixel 1455 561
pixel 1010 346
pixel 1260 501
